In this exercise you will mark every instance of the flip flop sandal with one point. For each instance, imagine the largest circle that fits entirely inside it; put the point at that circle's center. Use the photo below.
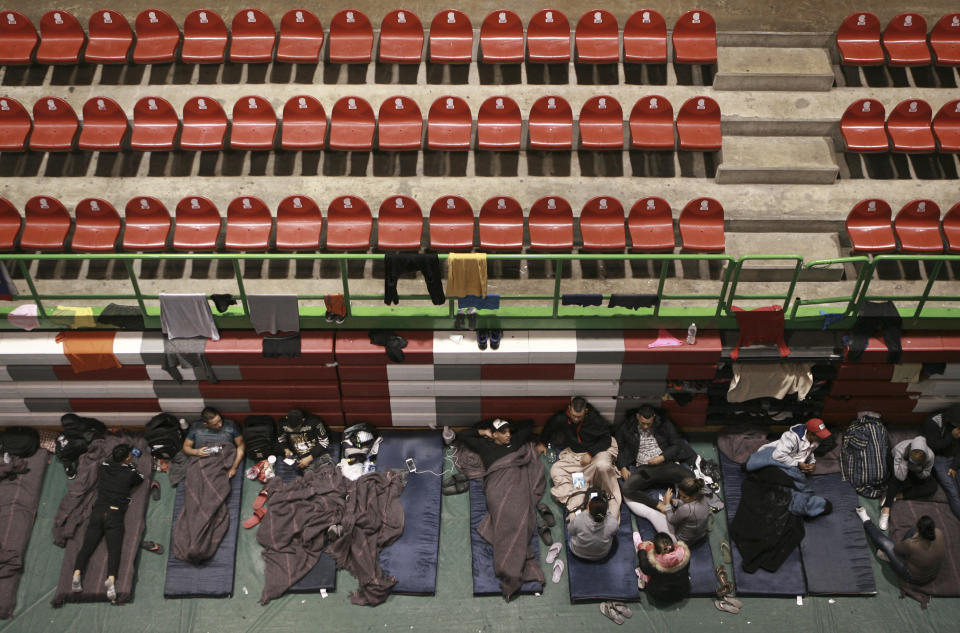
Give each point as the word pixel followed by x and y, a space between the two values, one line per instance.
pixel 725 606
pixel 260 501
pixel 622 609
pixel 558 567
pixel 254 521
pixel 155 490
pixel 725 553
pixel 152 546
pixel 545 535
pixel 546 515
pixel 553 552
pixel 733 601
pixel 609 611
pixel 725 587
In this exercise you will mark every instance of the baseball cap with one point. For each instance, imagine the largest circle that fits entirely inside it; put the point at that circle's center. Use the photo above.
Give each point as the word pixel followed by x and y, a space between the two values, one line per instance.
pixel 818 428
pixel 500 424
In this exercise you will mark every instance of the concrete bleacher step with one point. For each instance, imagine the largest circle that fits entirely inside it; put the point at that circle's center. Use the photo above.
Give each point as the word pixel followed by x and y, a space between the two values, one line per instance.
pixel 784 160
pixel 759 68
pixel 815 246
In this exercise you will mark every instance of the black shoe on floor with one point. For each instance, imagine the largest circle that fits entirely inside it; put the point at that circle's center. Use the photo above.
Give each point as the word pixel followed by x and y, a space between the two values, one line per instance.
pixel 482 339
pixel 495 336
pixel 545 535
pixel 460 321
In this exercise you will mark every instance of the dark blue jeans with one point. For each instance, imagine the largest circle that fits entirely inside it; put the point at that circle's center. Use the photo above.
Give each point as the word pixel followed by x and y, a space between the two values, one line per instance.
pixel 951 485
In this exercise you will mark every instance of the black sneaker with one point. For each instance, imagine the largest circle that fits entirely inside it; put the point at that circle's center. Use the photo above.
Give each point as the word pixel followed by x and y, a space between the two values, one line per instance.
pixel 460 321
pixel 495 336
pixel 472 321
pixel 71 469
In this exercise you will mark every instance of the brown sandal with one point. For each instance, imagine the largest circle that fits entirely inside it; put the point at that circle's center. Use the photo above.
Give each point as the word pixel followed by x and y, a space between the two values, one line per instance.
pixel 725 586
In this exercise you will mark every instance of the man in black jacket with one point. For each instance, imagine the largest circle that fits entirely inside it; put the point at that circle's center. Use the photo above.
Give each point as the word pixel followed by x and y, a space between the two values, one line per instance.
pixel 304 437
pixel 942 432
pixel 590 450
pixel 652 453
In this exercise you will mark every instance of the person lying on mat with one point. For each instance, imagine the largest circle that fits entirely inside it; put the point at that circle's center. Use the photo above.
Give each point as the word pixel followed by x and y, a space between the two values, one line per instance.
pixel 685 518
pixel 797 444
pixel 213 431
pixel 912 476
pixel 117 478
pixel 942 432
pixel 664 568
pixel 590 453
pixel 651 447
pixel 304 437
pixel 918 557
pixel 492 439
pixel 593 528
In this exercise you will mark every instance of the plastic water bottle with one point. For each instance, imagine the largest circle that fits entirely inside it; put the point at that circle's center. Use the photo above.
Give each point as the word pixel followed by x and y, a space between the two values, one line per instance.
pixel 692 334
pixel 551 453
pixel 183 424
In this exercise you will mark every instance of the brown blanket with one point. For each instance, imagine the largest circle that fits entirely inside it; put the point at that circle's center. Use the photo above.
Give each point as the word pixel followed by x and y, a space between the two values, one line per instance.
pixel 294 530
pixel 204 520
pixel 19 497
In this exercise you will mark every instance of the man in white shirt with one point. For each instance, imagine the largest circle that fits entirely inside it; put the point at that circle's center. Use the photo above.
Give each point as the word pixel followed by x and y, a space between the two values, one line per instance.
pixel 795 447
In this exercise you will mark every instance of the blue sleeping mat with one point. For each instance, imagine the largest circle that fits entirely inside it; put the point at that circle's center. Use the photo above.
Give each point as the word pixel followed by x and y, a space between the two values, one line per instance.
pixel 414 557
pixel 845 567
pixel 703 580
pixel 324 573
pixel 786 581
pixel 214 578
pixel 611 578
pixel 485 582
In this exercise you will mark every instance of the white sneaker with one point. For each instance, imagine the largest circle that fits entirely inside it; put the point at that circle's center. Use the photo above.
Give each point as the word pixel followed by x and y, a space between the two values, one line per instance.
pixel 75 585
pixel 862 513
pixel 884 521
pixel 111 590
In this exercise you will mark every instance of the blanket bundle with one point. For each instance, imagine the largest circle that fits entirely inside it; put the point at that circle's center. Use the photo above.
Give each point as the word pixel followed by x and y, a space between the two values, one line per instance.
pixel 204 520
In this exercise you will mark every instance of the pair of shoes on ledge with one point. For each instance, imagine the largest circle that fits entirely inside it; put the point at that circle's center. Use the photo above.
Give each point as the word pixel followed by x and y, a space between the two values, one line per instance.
pixel 493 336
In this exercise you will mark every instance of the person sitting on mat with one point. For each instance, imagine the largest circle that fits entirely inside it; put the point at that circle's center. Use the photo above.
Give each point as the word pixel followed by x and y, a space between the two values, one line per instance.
pixel 304 437
pixel 797 444
pixel 650 445
pixel 117 478
pixel 213 431
pixel 685 518
pixel 593 529
pixel 912 475
pixel 664 568
pixel 918 557
pixel 942 432
pixel 590 452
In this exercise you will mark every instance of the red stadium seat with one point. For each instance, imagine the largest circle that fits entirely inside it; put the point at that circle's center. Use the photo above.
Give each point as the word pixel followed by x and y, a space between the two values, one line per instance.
pixel 451 38
pixel 98 226
pixel 863 127
pixel 10 223
pixel 248 225
pixel 351 38
pixel 601 225
pixel 695 38
pixel 299 224
pixel 147 225
pixel 349 224
pixel 254 124
pixel 601 123
pixel 61 38
pixel 551 225
pixel 204 124
pixel 15 125
pixel 399 124
pixel 858 39
pixel 54 125
pixel 651 124
pixel 945 40
pixel 399 224
pixel 501 225
pixel 301 37
pixel 698 125
pixel 946 126
pixel 352 124
pixel 499 124
pixel 252 37
pixel 401 38
pixel 909 127
pixel 304 124
pixel 918 227
pixel 645 38
pixel 18 38
pixel 451 224
pixel 449 124
pixel 158 36
pixel 501 38
pixel 550 125
pixel 869 228
pixel 701 226
pixel 548 37
pixel 198 225
pixel 651 226
pixel 598 38
pixel 46 225
pixel 951 228
pixel 104 125
pixel 204 38
pixel 109 39
pixel 905 40
pixel 155 125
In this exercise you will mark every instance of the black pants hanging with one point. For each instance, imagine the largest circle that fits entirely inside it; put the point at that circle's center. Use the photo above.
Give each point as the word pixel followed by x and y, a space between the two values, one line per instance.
pixel 396 264
pixel 106 522
pixel 877 316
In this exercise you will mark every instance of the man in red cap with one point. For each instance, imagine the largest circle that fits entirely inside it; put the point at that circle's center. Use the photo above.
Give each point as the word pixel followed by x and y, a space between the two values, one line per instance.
pixel 795 447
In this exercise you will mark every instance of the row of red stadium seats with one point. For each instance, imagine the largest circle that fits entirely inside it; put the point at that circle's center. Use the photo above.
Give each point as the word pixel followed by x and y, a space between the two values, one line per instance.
pixel 349 225
pixel 353 125
pixel 253 38
pixel 917 227
pixel 908 128
pixel 904 40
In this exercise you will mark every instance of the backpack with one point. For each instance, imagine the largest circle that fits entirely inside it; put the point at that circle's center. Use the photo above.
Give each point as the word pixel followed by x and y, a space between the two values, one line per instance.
pixel 69 449
pixel 22 441
pixel 76 436
pixel 260 436
pixel 164 436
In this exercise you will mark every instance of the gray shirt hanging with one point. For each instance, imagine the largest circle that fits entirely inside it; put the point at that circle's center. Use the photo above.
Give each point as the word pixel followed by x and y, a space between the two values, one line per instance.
pixel 186 316
pixel 274 313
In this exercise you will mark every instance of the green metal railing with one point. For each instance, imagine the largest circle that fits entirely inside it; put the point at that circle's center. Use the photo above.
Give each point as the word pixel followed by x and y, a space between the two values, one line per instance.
pixel 713 309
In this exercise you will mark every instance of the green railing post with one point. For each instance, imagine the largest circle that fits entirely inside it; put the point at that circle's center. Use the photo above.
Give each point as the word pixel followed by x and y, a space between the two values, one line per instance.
pixel 240 288
pixel 346 286
pixel 33 289
pixel 926 290
pixel 557 278
pixel 128 264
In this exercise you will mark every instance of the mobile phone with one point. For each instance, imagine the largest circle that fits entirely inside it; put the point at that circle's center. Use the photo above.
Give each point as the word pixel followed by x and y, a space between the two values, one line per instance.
pixel 594 494
pixel 411 465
